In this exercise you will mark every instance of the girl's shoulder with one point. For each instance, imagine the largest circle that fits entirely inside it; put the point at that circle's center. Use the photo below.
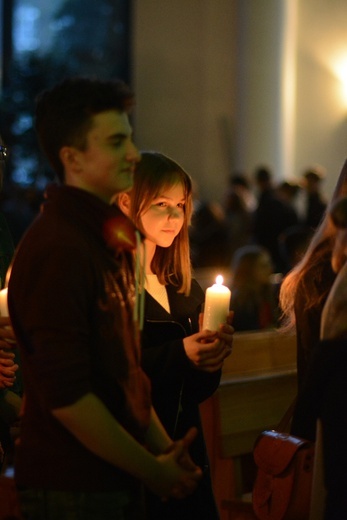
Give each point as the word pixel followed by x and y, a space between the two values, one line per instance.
pixel 194 300
pixel 196 289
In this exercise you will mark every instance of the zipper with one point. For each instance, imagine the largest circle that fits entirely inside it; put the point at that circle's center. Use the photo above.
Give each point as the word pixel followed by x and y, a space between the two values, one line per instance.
pixel 173 322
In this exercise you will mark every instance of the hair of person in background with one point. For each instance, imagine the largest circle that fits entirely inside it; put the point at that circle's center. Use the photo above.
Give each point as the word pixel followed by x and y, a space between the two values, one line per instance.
pixel 321 243
pixel 338 215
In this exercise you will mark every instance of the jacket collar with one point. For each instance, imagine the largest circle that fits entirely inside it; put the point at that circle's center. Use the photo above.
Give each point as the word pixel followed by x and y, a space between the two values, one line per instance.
pixel 179 303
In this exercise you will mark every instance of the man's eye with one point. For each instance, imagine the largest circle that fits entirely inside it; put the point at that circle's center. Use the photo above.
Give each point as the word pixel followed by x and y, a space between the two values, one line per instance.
pixel 181 205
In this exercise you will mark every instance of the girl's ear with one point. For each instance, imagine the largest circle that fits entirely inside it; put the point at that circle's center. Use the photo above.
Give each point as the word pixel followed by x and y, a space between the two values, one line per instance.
pixel 123 201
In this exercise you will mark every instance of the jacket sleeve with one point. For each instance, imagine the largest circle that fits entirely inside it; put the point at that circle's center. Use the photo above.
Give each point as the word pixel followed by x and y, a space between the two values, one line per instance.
pixel 202 384
pixel 167 365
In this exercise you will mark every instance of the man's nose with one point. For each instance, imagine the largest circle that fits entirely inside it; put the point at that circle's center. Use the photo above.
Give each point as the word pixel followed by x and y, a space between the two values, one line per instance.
pixel 133 153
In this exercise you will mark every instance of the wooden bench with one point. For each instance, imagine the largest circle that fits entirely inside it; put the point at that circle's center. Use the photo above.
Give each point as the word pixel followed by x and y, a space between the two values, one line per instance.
pixel 258 384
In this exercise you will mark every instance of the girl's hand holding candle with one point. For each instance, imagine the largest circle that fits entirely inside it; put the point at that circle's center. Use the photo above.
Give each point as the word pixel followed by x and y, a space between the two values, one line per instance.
pixel 217 305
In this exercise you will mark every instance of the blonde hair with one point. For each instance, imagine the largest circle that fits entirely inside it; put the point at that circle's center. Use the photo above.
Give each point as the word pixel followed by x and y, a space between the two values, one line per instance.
pixel 314 259
pixel 153 174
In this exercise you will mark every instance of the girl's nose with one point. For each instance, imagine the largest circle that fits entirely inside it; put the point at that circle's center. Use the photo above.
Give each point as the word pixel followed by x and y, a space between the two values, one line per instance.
pixel 174 212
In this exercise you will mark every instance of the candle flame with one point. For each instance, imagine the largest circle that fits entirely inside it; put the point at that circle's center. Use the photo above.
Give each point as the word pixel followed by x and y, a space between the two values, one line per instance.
pixel 219 280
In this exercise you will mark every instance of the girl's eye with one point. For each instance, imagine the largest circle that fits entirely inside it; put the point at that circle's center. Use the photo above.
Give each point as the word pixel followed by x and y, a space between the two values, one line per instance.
pixel 163 204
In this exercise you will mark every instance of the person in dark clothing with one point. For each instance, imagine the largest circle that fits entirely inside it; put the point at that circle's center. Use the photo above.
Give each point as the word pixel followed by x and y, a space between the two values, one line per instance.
pixel 10 386
pixel 239 205
pixel 209 236
pixel 88 423
pixel 324 397
pixel 324 394
pixel 315 204
pixel 271 217
pixel 293 243
pixel 305 288
pixel 183 364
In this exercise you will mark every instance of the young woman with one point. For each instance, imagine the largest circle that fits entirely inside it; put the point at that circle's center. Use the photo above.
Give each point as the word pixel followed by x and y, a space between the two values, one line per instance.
pixel 183 364
pixel 305 288
pixel 324 394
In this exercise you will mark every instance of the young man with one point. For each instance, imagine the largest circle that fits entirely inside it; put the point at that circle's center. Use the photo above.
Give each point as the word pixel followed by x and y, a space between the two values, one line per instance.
pixel 87 412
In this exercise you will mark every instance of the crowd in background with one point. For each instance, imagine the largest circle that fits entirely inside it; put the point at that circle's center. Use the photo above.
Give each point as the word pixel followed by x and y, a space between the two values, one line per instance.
pixel 279 216
pixel 257 235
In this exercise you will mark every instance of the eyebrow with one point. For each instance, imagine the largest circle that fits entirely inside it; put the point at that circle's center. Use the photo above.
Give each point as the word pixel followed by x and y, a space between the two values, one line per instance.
pixel 168 198
pixel 120 135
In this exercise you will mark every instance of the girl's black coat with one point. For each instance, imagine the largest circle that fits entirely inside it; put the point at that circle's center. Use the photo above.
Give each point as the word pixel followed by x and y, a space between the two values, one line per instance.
pixel 177 388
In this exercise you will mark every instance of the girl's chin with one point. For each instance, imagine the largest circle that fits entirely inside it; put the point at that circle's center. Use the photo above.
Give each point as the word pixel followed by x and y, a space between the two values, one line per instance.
pixel 166 243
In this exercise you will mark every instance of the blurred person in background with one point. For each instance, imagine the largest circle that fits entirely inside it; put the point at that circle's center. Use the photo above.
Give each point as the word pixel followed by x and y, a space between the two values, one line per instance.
pixel 239 204
pixel 271 217
pixel 254 295
pixel 314 203
pixel 305 288
pixel 322 399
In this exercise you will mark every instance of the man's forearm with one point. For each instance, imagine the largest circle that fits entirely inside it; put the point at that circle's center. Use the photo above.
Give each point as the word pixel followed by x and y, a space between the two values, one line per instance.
pixel 157 439
pixel 92 424
pixel 166 474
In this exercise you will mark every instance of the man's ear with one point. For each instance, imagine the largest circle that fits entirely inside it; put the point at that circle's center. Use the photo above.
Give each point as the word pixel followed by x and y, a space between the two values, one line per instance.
pixel 70 158
pixel 123 201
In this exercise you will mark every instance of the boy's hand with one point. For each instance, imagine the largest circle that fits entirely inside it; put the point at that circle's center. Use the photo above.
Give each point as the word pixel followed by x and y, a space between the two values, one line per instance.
pixel 177 476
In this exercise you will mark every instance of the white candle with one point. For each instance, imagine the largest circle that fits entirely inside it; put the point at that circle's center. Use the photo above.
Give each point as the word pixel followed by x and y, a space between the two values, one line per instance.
pixel 3 302
pixel 217 304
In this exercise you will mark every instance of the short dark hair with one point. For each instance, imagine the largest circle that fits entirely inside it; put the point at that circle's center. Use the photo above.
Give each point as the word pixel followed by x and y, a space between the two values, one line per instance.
pixel 64 113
